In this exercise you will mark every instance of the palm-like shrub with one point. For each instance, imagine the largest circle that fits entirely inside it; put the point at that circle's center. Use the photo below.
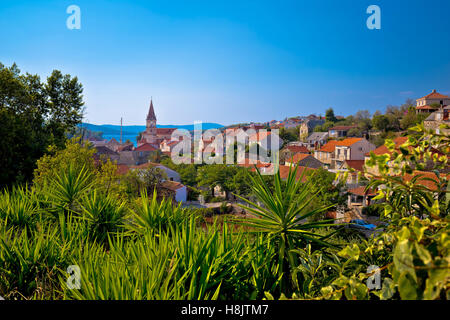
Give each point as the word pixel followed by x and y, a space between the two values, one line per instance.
pixel 67 188
pixel 19 208
pixel 29 265
pixel 103 213
pixel 149 214
pixel 283 216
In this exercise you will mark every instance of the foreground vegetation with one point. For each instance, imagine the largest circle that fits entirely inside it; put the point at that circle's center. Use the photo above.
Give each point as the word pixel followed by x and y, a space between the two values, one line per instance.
pixel 129 244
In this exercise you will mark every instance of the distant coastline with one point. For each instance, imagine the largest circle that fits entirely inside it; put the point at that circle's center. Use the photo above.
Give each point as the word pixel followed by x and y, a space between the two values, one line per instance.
pixel 130 132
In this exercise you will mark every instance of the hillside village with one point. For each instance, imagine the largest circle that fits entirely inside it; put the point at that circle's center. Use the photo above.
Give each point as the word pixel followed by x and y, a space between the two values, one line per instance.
pixel 338 145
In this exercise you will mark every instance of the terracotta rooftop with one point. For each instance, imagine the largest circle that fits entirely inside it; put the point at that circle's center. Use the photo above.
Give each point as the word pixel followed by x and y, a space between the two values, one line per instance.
pixel 298 157
pixel 284 172
pixel 434 95
pixel 425 178
pixel 348 142
pixel 172 185
pixel 297 149
pixel 360 191
pixel 329 146
pixel 357 165
pixel 146 147
pixel 383 149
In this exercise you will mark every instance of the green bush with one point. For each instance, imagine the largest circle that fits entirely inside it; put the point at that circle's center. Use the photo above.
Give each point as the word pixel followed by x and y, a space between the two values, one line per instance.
pixel 374 210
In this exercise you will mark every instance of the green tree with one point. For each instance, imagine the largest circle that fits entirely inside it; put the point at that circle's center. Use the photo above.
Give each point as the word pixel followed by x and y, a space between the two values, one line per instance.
pixel 380 122
pixel 329 115
pixel 34 115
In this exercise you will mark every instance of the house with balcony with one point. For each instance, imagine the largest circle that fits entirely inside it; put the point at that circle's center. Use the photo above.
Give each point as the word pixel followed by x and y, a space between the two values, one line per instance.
pixel 432 102
pixel 351 149
pixel 326 153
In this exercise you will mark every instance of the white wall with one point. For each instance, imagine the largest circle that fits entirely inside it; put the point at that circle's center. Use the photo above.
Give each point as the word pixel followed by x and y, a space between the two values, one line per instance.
pixel 181 194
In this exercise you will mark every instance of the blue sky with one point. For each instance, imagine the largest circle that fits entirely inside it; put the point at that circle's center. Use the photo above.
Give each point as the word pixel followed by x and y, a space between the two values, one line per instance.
pixel 233 61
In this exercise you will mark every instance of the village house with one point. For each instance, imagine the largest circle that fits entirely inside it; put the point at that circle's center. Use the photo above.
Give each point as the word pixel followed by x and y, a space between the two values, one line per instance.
pixel 354 170
pixel 340 131
pixel 104 153
pixel 178 190
pixel 351 149
pixel 264 140
pixel 307 127
pixel 359 197
pixel 303 160
pixel 438 118
pixel 316 140
pixel 326 153
pixel 432 102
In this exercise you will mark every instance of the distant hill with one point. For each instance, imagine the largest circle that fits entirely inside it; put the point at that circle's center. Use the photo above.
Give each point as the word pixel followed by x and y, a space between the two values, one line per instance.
pixel 131 132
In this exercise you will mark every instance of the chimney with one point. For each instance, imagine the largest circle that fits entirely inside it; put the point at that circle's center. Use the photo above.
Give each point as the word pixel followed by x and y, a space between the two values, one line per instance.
pixel 434 91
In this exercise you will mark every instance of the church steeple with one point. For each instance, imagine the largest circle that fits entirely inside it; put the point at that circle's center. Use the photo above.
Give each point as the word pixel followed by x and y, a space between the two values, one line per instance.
pixel 151 112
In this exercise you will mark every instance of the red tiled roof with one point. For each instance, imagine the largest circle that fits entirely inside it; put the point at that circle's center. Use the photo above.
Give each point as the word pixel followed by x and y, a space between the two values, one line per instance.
pixel 329 146
pixel 165 131
pixel 357 165
pixel 298 157
pixel 434 95
pixel 284 172
pixel 360 191
pixel 348 142
pixel 172 185
pixel 297 149
pixel 423 179
pixel 383 149
pixel 146 147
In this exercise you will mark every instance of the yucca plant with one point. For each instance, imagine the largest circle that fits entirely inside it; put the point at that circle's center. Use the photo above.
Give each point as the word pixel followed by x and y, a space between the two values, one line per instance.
pixel 19 208
pixel 67 188
pixel 210 259
pixel 149 214
pixel 281 215
pixel 29 265
pixel 103 213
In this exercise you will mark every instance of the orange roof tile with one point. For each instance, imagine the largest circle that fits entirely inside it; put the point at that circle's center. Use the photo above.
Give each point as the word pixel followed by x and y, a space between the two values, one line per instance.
pixel 434 95
pixel 423 179
pixel 298 157
pixel 284 172
pixel 383 149
pixel 348 142
pixel 146 147
pixel 360 191
pixel 357 165
pixel 296 149
pixel 329 146
pixel 172 185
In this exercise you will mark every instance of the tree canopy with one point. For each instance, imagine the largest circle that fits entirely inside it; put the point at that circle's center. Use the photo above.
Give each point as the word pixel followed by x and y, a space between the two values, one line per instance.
pixel 33 116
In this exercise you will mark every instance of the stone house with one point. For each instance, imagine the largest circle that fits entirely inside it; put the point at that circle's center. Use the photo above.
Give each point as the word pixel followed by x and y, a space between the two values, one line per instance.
pixel 432 102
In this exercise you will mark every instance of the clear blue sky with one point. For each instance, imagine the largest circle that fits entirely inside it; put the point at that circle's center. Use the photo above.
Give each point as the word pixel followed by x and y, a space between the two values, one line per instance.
pixel 233 61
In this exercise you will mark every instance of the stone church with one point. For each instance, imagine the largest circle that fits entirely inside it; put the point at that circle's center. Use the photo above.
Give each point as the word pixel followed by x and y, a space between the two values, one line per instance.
pixel 153 135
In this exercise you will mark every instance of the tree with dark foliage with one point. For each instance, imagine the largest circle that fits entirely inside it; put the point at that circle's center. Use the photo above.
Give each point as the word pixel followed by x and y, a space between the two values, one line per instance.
pixel 33 116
